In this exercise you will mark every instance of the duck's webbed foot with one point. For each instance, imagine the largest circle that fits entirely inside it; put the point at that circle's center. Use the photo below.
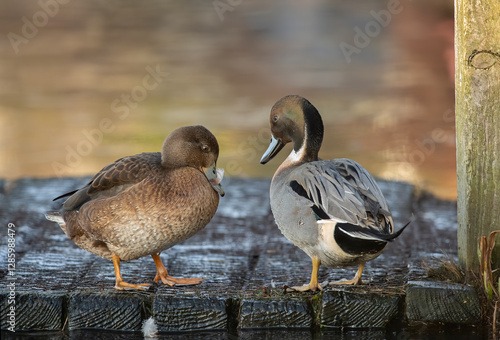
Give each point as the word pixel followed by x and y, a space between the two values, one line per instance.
pixel 355 281
pixel 306 288
pixel 314 284
pixel 161 273
pixel 122 285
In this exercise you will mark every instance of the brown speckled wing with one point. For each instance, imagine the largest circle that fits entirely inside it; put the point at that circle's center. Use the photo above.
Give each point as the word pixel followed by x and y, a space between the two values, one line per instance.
pixel 127 170
pixel 115 178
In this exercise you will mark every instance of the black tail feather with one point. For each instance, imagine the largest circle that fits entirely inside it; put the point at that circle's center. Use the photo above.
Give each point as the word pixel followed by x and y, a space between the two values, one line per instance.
pixel 397 233
pixel 357 231
pixel 65 195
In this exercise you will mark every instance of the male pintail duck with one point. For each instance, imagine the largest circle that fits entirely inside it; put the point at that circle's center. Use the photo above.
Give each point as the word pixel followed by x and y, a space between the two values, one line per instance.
pixel 331 209
pixel 141 205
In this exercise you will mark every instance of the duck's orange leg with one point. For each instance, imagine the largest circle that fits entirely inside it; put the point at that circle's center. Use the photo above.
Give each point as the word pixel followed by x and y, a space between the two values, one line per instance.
pixel 120 284
pixel 313 284
pixel 161 273
pixel 355 281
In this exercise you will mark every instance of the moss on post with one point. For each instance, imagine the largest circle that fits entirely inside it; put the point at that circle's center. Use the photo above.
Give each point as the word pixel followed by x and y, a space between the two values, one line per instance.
pixel 477 81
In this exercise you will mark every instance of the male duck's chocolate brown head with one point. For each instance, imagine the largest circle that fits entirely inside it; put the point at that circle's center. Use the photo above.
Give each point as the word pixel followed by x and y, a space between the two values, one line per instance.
pixel 294 119
pixel 196 147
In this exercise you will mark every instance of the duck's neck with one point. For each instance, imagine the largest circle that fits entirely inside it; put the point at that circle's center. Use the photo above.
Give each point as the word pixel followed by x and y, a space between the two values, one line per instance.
pixel 308 140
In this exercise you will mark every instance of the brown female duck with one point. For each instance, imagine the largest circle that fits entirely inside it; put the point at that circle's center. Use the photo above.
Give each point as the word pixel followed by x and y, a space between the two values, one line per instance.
pixel 141 205
pixel 331 209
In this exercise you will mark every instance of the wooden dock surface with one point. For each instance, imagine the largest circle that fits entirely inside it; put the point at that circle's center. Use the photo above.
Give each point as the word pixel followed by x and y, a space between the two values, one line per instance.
pixel 245 261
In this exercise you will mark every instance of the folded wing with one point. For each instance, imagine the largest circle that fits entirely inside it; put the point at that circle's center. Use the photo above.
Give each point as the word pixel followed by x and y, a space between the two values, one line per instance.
pixel 342 191
pixel 112 179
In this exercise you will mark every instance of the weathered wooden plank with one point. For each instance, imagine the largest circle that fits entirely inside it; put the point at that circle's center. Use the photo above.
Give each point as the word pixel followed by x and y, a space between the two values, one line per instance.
pixel 400 196
pixel 279 264
pixel 439 241
pixel 32 310
pixel 442 302
pixel 245 199
pixel 272 313
pixel 56 269
pixel 42 281
pixel 108 309
pixel 99 274
pixel 242 257
pixel 477 97
pixel 174 313
pixel 357 308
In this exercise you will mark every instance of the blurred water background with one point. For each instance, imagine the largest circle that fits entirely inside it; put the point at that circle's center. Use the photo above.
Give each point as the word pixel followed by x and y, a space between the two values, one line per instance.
pixel 83 83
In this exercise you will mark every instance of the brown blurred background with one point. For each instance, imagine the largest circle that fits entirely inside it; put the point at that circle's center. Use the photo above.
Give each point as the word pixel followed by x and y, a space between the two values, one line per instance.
pixel 83 83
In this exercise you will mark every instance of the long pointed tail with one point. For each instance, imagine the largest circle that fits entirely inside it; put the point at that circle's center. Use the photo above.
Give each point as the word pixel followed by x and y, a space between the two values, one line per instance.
pixel 370 234
pixel 397 233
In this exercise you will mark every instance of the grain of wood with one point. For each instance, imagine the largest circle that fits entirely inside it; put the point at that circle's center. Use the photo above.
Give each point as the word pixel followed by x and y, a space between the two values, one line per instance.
pixel 275 314
pixel 343 308
pixel 35 310
pixel 241 256
pixel 442 303
pixel 477 64
pixel 106 310
pixel 177 313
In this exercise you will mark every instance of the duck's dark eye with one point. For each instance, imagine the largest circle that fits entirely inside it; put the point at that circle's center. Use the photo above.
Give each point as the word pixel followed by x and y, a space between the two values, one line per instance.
pixel 275 118
pixel 205 148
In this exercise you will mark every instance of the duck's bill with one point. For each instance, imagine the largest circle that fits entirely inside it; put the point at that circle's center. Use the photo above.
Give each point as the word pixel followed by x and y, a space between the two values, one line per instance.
pixel 215 176
pixel 273 149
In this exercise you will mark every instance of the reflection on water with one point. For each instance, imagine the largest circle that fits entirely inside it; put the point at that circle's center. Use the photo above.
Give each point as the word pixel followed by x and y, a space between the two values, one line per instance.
pixel 103 79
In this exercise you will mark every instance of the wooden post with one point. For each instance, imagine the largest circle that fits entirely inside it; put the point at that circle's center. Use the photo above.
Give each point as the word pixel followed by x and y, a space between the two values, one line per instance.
pixel 477 90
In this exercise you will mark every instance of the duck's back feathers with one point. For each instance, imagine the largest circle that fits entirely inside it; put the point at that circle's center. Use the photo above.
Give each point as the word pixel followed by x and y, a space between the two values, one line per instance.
pixel 341 190
pixel 362 181
pixel 114 179
pixel 126 170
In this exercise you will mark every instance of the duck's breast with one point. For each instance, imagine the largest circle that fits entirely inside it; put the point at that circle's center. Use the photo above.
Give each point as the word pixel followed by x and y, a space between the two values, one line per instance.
pixel 153 215
pixel 293 213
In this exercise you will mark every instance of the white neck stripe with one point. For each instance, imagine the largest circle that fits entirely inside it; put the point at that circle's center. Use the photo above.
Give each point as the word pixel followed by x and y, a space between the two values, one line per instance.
pixel 296 156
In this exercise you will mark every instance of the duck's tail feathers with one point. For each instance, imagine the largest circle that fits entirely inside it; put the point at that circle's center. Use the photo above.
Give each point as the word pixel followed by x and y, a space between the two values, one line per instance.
pixel 55 216
pixel 65 195
pixel 397 233
pixel 364 233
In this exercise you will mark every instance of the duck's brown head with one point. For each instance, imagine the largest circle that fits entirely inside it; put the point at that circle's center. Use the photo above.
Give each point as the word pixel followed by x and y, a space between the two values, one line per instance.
pixel 196 147
pixel 294 119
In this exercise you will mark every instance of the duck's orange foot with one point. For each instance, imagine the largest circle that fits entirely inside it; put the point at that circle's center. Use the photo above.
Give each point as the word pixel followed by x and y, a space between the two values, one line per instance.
pixel 177 281
pixel 122 285
pixel 347 282
pixel 161 273
pixel 355 281
pixel 313 285
pixel 305 288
